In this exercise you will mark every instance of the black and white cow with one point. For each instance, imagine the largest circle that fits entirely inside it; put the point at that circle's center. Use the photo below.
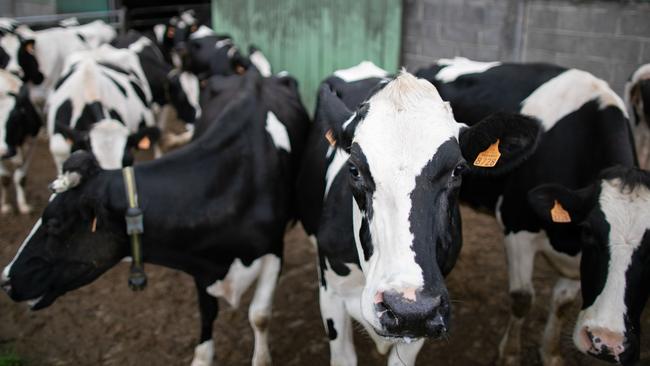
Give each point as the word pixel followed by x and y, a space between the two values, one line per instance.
pixel 586 130
pixel 382 205
pixel 226 230
pixel 101 104
pixel 17 53
pixel 53 45
pixel 19 124
pixel 637 98
pixel 174 93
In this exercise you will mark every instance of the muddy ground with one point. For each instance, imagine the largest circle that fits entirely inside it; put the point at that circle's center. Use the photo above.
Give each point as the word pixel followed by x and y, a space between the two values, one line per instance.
pixel 105 323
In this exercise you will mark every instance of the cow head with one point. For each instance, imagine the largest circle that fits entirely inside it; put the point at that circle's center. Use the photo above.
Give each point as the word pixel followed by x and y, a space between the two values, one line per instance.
pixel 18 118
pixel 184 95
pixel 407 158
pixel 109 140
pixel 214 55
pixel 613 216
pixel 73 242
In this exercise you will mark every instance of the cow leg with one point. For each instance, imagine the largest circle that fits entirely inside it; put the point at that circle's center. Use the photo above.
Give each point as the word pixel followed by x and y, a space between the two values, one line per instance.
pixel 338 325
pixel 5 181
pixel 404 354
pixel 60 150
pixel 521 248
pixel 259 312
pixel 20 179
pixel 564 293
pixel 209 306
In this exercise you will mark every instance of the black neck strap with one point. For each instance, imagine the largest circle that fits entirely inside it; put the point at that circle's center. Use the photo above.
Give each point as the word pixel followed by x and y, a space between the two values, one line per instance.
pixel 134 228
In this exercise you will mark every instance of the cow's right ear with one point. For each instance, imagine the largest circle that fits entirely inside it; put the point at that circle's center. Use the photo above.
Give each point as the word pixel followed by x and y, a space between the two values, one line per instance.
pixel 80 166
pixel 554 203
pixel 337 117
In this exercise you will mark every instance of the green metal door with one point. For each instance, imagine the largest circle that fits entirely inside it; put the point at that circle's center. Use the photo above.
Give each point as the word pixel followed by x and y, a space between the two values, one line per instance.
pixel 312 38
pixel 74 6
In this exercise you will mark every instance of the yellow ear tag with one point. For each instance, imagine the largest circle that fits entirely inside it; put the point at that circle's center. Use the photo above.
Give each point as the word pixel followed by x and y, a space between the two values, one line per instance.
pixel 329 136
pixel 489 157
pixel 144 143
pixel 559 214
pixel 93 227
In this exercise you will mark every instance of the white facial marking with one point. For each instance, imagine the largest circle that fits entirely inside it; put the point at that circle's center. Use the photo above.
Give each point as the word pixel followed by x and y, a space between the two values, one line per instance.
pixel 159 31
pixel 340 158
pixel 140 44
pixel 364 70
pixel 203 31
pixel 459 66
pixel 223 43
pixel 628 215
pixel 567 93
pixel 5 272
pixel 190 85
pixel 108 140
pixel 278 132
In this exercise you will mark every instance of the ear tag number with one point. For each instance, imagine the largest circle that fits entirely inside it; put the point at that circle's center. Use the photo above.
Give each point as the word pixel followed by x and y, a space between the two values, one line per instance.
pixel 144 143
pixel 559 214
pixel 93 226
pixel 329 136
pixel 489 157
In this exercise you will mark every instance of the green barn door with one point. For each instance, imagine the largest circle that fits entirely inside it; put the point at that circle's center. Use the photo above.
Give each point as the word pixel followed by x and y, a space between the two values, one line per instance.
pixel 313 38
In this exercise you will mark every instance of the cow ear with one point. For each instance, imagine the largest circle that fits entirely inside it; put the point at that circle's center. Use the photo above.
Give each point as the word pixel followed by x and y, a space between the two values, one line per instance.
pixel 336 116
pixel 500 142
pixel 554 203
pixel 80 166
pixel 144 138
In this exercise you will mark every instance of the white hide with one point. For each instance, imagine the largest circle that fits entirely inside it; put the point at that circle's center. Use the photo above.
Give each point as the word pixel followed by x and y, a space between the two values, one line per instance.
pixel 9 84
pixel 11 44
pixel 261 63
pixel 567 93
pixel 278 132
pixel 461 66
pixel 108 140
pixel 364 70
pixel 190 85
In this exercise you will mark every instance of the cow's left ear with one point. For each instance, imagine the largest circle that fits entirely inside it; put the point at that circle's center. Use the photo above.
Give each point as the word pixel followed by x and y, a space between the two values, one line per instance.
pixel 337 118
pixel 500 142
pixel 554 203
pixel 144 138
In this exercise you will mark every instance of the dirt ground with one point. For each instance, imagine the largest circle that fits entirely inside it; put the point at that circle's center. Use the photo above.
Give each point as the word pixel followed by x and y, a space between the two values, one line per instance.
pixel 105 323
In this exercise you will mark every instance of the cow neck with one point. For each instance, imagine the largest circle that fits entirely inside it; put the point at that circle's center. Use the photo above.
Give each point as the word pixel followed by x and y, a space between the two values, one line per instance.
pixel 134 228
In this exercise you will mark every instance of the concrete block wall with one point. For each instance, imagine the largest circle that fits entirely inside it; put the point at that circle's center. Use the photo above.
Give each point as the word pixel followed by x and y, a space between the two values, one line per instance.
pixel 609 39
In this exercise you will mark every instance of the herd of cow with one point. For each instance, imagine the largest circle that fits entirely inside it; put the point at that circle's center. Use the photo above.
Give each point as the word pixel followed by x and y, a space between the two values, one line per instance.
pixel 376 180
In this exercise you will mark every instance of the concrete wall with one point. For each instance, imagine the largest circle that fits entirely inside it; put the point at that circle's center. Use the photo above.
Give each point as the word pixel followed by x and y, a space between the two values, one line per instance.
pixel 608 39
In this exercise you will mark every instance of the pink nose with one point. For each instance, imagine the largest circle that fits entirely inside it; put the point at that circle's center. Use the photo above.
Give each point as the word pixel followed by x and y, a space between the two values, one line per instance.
pixel 604 343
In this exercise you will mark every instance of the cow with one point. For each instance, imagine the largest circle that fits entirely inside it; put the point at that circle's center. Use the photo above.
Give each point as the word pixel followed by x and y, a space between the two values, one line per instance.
pixel 53 45
pixel 381 205
pixel 586 130
pixel 171 37
pixel 637 99
pixel 17 53
pixel 19 124
pixel 226 231
pixel 174 92
pixel 101 103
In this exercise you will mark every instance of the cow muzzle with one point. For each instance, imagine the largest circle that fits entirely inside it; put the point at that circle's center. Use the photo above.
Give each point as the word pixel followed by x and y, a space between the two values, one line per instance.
pixel 412 313
pixel 602 343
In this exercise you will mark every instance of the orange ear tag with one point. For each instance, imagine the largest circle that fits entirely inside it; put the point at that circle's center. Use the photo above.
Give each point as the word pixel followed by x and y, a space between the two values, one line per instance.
pixel 93 227
pixel 329 136
pixel 559 214
pixel 144 143
pixel 489 157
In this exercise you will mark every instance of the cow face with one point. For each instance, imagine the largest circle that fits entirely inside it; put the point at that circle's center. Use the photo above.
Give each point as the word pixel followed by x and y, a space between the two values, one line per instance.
pixel 184 95
pixel 407 156
pixel 214 55
pixel 70 245
pixel 614 217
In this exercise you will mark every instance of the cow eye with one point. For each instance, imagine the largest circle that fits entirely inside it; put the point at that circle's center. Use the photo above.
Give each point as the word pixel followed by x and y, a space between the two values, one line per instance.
pixel 459 170
pixel 354 171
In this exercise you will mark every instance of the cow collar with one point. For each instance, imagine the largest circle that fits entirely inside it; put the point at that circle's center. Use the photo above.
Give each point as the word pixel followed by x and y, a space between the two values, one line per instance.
pixel 134 228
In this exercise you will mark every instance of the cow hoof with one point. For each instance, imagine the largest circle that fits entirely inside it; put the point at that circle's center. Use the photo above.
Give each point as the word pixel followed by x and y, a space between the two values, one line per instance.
pixel 203 354
pixel 262 360
pixel 5 209
pixel 25 210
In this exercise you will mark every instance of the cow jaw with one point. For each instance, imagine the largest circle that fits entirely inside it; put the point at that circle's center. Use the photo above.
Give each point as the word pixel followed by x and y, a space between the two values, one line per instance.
pixel 108 140
pixel 407 122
